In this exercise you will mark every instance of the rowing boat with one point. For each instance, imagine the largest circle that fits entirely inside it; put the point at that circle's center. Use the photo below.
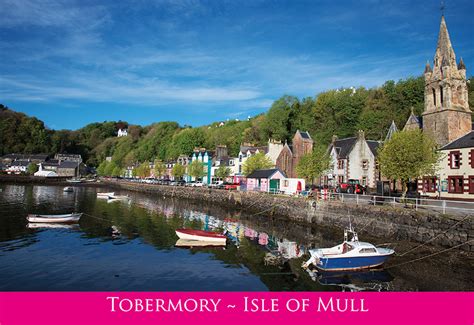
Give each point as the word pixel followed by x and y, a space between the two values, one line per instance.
pixel 201 235
pixel 54 218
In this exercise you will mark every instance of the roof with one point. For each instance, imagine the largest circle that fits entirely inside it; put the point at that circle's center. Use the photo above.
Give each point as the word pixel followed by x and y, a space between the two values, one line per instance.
pixel 20 163
pixel 344 146
pixel 466 141
pixel 373 145
pixel 264 173
pixel 45 173
pixel 68 164
pixel 304 135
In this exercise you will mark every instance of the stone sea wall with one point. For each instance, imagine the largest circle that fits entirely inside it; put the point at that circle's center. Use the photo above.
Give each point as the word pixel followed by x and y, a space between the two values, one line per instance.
pixel 392 224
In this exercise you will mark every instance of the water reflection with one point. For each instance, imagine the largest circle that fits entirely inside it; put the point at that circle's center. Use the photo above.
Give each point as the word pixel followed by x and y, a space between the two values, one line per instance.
pixel 131 245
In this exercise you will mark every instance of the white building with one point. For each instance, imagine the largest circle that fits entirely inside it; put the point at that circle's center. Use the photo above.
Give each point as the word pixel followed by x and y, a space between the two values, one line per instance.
pixel 122 133
pixel 352 158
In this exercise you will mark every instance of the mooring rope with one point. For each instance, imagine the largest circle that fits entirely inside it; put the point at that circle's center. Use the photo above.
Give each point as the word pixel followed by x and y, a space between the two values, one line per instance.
pixel 444 232
pixel 431 255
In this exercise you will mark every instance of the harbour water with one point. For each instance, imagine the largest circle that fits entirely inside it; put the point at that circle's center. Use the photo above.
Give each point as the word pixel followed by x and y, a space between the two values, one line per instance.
pixel 125 245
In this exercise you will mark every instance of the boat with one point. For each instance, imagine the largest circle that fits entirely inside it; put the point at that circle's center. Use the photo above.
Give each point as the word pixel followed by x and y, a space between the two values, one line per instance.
pixel 350 255
pixel 119 197
pixel 73 180
pixel 68 189
pixel 105 195
pixel 198 243
pixel 54 218
pixel 200 235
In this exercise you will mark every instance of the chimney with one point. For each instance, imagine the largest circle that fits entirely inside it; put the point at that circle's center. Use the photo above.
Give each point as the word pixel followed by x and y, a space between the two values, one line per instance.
pixel 361 134
pixel 334 138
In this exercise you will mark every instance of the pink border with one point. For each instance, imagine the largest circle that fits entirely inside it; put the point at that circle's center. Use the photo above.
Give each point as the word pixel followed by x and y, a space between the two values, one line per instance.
pixel 95 308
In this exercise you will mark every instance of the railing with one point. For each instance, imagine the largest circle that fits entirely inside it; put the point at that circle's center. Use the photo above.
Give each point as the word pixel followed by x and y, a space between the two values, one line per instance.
pixel 442 206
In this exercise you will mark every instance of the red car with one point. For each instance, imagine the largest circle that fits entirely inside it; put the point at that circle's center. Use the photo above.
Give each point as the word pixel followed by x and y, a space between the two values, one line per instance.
pixel 352 186
pixel 231 186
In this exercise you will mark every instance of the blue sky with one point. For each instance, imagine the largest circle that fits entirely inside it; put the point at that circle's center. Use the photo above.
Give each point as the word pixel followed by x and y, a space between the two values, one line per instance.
pixel 70 63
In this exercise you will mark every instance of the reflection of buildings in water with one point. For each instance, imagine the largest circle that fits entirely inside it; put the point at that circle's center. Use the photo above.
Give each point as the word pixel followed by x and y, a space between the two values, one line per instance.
pixel 289 249
pixel 262 239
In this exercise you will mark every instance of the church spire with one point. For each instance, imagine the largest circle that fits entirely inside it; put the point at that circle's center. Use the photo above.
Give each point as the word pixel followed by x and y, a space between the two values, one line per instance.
pixel 444 51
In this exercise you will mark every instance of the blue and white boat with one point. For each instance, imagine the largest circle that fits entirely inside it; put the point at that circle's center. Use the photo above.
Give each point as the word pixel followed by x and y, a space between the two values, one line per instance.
pixel 350 255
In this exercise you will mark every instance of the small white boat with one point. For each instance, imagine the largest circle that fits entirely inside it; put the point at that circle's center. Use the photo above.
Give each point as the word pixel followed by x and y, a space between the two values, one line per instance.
pixel 54 218
pixel 73 180
pixel 350 255
pixel 68 189
pixel 105 195
pixel 201 235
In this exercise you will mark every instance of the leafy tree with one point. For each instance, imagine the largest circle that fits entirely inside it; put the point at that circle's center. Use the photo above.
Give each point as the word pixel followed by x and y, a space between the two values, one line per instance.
pixel 197 169
pixel 101 169
pixel 109 168
pixel 160 168
pixel 313 165
pixel 407 156
pixel 32 168
pixel 256 162
pixel 277 119
pixel 117 171
pixel 143 171
pixel 223 171
pixel 178 171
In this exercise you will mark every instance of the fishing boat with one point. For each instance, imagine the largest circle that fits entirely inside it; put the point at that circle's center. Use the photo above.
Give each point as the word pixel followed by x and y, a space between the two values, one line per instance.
pixel 350 255
pixel 200 235
pixel 54 218
pixel 68 189
pixel 73 180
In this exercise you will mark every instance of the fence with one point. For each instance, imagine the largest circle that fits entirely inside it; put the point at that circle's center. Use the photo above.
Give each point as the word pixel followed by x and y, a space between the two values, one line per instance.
pixel 442 206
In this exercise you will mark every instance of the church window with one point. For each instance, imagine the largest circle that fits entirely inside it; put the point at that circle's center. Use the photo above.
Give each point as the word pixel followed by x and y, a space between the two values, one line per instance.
pixel 434 96
pixel 365 164
pixel 441 95
pixel 340 164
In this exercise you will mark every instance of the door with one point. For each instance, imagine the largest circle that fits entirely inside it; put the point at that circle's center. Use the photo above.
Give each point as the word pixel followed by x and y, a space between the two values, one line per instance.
pixel 274 185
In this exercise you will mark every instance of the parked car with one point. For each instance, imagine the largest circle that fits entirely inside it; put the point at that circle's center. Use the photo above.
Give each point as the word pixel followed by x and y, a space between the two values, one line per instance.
pixel 231 186
pixel 352 186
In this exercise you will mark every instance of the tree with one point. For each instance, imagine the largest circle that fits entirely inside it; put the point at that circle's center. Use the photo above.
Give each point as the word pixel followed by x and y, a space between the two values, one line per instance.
pixel 178 171
pixel 117 171
pixel 160 168
pixel 143 171
pixel 223 171
pixel 407 156
pixel 256 162
pixel 312 165
pixel 196 169
pixel 32 168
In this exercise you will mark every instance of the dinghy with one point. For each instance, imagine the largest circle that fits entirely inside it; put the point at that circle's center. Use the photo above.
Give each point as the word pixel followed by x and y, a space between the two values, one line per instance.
pixel 350 255
pixel 54 218
pixel 105 195
pixel 68 189
pixel 200 235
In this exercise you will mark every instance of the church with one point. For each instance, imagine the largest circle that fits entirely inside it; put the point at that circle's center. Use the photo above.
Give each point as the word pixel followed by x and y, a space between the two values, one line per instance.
pixel 447 118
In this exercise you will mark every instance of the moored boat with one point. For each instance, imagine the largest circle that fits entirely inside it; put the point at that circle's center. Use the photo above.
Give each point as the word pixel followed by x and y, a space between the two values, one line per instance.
pixel 73 180
pixel 105 195
pixel 350 255
pixel 54 218
pixel 200 235
pixel 68 189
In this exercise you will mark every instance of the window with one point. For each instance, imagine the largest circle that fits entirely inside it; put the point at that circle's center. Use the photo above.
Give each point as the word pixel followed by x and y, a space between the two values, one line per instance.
pixel 441 95
pixel 240 158
pixel 364 181
pixel 231 162
pixel 455 184
pixel 471 158
pixel 434 97
pixel 365 164
pixel 454 159
pixel 340 179
pixel 471 184
pixel 367 250
pixel 286 183
pixel 340 164
pixel 429 184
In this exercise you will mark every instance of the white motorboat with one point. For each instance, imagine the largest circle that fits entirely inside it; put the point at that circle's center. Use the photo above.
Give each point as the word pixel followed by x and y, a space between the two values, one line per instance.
pixel 68 189
pixel 54 218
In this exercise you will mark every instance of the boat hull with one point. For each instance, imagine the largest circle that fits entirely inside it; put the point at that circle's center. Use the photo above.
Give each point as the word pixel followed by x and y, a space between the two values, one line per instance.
pixel 351 263
pixel 197 235
pixel 65 218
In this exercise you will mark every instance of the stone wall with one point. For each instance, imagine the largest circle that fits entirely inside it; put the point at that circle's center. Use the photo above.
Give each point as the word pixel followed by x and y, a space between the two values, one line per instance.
pixel 392 224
